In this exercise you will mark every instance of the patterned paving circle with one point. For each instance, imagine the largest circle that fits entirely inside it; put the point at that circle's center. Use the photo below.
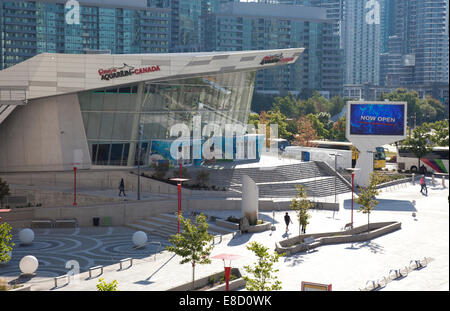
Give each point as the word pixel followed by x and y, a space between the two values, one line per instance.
pixel 56 249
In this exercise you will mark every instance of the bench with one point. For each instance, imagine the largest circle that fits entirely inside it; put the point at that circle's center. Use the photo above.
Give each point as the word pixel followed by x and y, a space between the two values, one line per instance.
pixel 125 260
pixel 370 286
pixel 62 222
pixel 37 222
pixel 308 241
pixel 418 264
pixel 95 268
pixel 61 277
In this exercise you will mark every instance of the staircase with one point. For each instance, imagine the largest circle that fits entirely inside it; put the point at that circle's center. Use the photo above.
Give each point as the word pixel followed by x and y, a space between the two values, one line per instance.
pixel 166 225
pixel 318 178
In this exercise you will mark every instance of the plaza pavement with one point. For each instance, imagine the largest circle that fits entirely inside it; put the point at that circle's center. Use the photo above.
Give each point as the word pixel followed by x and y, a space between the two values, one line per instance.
pixel 346 266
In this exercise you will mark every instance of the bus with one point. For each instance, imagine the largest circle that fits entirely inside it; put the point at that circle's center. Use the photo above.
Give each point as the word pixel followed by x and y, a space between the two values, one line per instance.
pixel 379 155
pixel 435 161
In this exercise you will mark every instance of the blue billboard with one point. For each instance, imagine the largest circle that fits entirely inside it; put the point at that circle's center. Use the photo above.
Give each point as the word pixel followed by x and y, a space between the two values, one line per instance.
pixel 377 119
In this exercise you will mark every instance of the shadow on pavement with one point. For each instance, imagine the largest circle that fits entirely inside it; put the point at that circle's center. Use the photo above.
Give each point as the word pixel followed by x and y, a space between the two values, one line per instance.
pixel 373 247
pixel 294 260
pixel 240 239
pixel 385 205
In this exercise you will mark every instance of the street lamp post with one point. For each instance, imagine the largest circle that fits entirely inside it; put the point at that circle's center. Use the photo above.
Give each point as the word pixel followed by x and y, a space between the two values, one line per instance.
pixel 141 127
pixel 353 177
pixel 179 181
pixel 75 186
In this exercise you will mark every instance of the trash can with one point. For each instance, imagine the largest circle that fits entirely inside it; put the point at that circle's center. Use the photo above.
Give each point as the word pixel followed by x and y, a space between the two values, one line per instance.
pixel 107 221
pixel 96 221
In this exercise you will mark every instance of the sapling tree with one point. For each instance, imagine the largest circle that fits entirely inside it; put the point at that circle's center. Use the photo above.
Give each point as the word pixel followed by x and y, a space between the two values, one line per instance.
pixel 300 204
pixel 367 196
pixel 262 275
pixel 192 243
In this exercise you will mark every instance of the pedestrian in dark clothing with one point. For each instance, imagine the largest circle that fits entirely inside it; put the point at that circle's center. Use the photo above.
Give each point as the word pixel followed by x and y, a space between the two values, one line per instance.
pixel 423 185
pixel 122 188
pixel 287 220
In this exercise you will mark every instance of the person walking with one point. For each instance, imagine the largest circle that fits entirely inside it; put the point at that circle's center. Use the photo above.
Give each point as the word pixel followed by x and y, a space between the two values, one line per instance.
pixel 287 220
pixel 122 188
pixel 423 185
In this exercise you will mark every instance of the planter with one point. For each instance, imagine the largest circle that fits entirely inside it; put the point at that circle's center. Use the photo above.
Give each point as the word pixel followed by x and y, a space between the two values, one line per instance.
pixel 202 284
pixel 24 288
pixel 259 228
pixel 358 234
pixel 227 224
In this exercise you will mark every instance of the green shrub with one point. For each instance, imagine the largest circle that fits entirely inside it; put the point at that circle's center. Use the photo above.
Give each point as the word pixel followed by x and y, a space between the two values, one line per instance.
pixel 102 286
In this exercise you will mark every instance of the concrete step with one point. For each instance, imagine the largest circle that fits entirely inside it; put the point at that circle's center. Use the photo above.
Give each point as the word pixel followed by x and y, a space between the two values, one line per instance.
pixel 163 221
pixel 220 230
pixel 141 228
pixel 148 223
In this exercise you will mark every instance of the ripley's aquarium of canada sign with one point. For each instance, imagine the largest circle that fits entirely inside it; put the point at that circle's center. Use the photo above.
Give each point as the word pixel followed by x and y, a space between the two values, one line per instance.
pixel 276 58
pixel 124 71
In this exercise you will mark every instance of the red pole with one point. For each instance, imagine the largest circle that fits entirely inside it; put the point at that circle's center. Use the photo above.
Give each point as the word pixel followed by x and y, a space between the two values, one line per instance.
pixel 179 205
pixel 75 186
pixel 181 169
pixel 353 175
pixel 227 277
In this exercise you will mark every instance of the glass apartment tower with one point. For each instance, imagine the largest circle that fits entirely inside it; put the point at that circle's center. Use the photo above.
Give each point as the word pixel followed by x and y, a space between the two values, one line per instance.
pixel 256 26
pixel 31 27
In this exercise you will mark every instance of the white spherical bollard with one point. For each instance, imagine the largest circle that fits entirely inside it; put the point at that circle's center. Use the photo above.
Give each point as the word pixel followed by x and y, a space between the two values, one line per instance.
pixel 26 236
pixel 139 238
pixel 28 264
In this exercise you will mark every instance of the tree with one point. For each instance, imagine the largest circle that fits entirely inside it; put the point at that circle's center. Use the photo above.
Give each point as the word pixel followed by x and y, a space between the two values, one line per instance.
pixel 419 143
pixel 4 190
pixel 338 103
pixel 6 244
pixel 338 130
pixel 366 198
pixel 300 204
pixel 276 117
pixel 286 105
pixel 262 273
pixel 253 119
pixel 318 126
pixel 306 133
pixel 439 132
pixel 430 110
pixel 192 243
pixel 412 99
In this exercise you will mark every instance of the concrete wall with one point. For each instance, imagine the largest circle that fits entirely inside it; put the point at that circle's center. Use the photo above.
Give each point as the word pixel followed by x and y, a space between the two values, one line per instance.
pixel 44 135
pixel 48 198
pixel 91 179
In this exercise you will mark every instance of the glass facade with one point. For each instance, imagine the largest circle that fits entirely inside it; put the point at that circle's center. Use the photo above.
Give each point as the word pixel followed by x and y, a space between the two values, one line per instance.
pixel 28 28
pixel 112 116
